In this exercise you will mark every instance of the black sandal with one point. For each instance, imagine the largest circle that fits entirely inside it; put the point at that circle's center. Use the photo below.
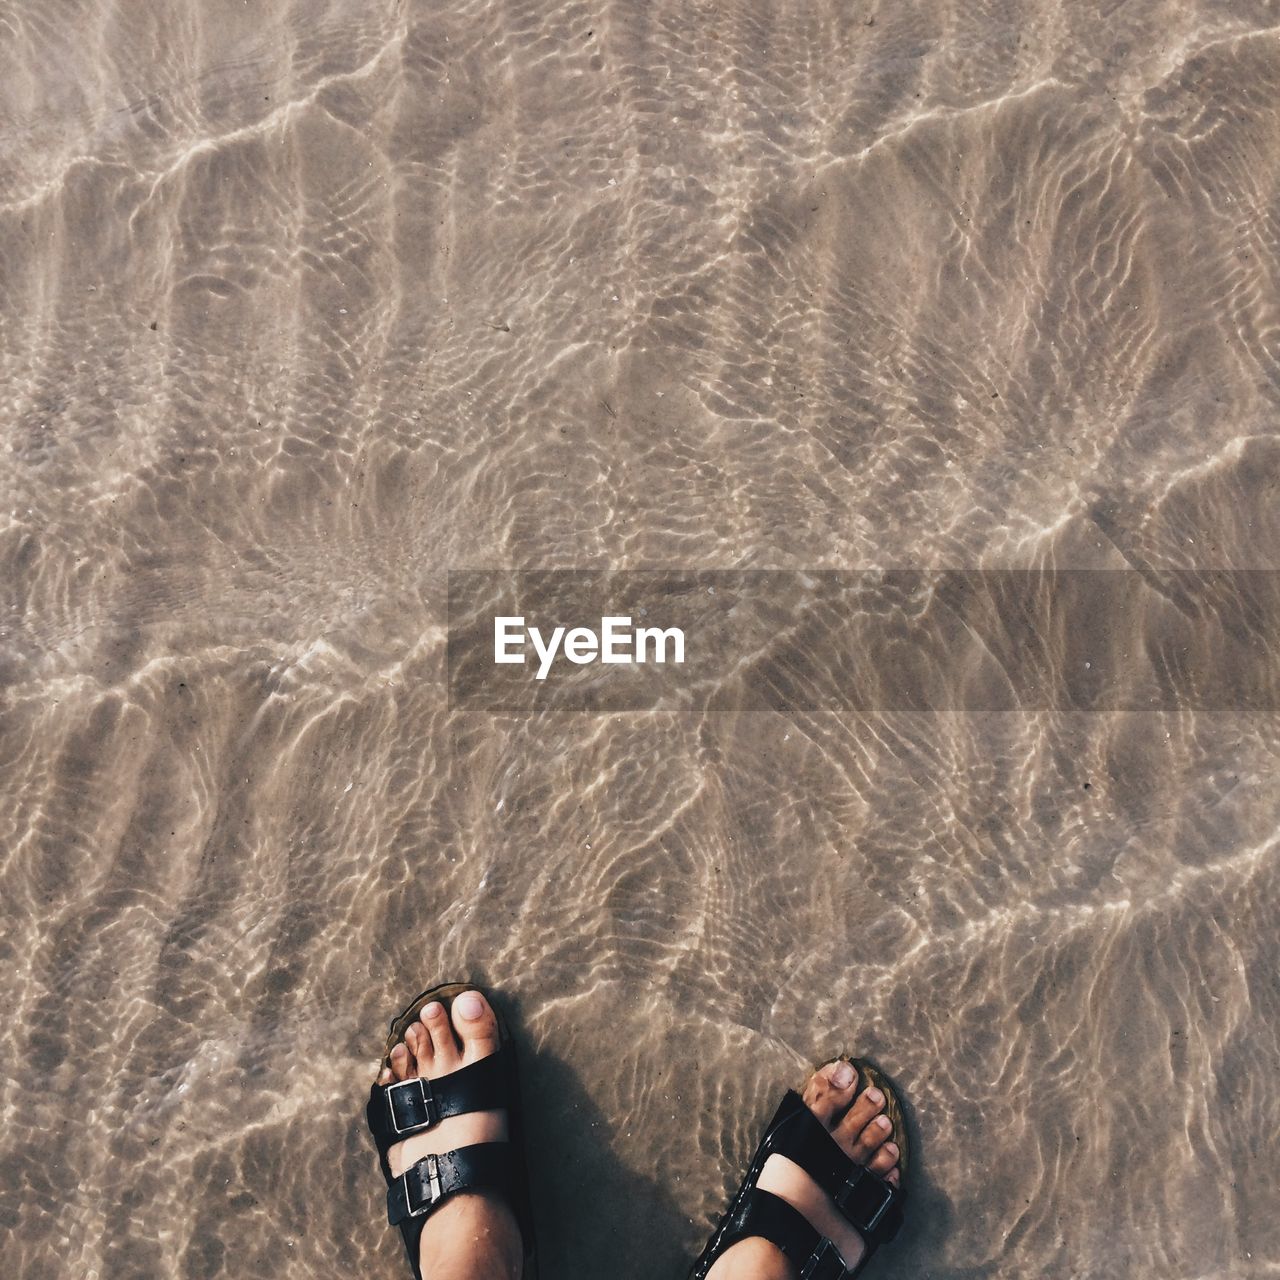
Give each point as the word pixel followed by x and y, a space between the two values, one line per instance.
pixel 399 1110
pixel 872 1206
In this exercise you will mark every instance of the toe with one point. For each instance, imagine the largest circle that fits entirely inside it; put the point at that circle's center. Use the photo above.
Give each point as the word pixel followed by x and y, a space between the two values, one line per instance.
pixel 829 1090
pixel 868 1104
pixel 871 1139
pixel 402 1064
pixel 386 1075
pixel 444 1047
pixel 884 1159
pixel 419 1043
pixel 476 1025
pixel 894 1176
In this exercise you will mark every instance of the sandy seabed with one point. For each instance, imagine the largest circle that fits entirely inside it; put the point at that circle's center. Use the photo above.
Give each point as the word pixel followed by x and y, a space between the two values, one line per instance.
pixel 303 305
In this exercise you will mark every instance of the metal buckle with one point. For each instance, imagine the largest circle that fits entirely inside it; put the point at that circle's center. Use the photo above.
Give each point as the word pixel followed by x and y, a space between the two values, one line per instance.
pixel 852 1184
pixel 415 1207
pixel 428 1104
pixel 824 1263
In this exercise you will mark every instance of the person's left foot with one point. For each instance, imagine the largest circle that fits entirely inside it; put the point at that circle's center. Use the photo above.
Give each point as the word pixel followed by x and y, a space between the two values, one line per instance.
pixel 467 1223
pixel 862 1132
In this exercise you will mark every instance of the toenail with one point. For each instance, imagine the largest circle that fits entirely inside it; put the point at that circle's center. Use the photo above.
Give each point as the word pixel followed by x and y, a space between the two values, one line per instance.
pixel 884 1122
pixel 841 1075
pixel 433 1010
pixel 470 1006
pixel 874 1095
pixel 891 1148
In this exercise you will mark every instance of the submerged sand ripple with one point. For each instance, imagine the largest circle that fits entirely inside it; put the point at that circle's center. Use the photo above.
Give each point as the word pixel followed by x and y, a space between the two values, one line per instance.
pixel 303 305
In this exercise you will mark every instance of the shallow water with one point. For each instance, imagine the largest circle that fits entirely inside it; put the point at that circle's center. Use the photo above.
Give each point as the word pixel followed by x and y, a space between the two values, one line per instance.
pixel 304 305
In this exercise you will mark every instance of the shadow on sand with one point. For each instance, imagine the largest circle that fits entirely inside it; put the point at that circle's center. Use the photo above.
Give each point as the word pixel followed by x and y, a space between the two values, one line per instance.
pixel 595 1218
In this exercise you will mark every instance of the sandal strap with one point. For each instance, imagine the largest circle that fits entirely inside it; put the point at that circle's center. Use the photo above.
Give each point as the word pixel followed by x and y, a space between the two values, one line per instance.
pixel 397 1111
pixel 419 1190
pixel 761 1213
pixel 872 1206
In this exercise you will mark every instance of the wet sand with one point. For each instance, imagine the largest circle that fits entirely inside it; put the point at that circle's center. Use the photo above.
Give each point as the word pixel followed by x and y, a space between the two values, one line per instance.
pixel 304 305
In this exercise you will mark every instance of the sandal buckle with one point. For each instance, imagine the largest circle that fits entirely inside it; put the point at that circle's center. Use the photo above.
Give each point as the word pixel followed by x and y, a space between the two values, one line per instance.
pixel 416 1204
pixel 852 1198
pixel 824 1263
pixel 422 1111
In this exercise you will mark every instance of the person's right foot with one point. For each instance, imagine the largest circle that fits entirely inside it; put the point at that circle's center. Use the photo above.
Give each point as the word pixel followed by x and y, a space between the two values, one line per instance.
pixel 472 1232
pixel 863 1134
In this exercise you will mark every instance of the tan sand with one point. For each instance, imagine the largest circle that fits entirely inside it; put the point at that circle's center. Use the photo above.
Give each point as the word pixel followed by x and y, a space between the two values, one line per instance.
pixel 304 304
